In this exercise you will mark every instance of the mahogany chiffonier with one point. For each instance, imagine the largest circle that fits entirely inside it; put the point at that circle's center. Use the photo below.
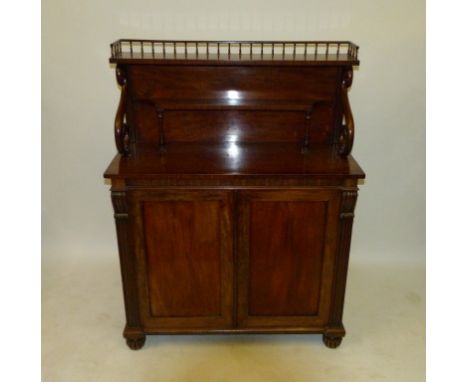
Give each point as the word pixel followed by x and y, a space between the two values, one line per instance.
pixel 233 187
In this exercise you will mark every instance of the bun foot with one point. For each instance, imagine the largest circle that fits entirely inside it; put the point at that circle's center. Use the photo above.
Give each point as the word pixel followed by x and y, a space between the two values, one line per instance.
pixel 134 336
pixel 136 343
pixel 332 342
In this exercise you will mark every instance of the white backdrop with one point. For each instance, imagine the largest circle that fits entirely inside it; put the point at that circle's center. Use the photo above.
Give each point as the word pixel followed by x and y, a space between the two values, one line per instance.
pixel 80 95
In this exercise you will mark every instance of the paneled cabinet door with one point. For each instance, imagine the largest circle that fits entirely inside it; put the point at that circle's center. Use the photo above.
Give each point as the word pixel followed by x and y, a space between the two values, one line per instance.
pixel 183 242
pixel 286 248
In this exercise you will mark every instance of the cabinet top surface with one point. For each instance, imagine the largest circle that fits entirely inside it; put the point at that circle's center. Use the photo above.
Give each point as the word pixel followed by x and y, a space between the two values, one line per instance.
pixel 182 52
pixel 231 159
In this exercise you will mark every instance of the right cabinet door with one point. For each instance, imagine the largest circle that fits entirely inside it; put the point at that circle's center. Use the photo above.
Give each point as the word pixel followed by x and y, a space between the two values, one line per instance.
pixel 287 241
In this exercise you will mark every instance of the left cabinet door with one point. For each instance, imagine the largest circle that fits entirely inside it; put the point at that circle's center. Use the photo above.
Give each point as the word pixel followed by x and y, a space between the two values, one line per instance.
pixel 184 250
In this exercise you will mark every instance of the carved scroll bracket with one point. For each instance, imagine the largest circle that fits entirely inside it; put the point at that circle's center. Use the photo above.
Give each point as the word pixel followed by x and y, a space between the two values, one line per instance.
pixel 347 204
pixel 120 124
pixel 346 135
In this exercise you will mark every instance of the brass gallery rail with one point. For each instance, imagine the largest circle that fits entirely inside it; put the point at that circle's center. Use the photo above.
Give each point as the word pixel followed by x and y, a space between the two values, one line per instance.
pixel 235 50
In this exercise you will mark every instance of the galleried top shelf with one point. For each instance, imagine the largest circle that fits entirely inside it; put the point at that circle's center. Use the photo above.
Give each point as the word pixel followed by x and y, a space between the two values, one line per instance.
pixel 234 52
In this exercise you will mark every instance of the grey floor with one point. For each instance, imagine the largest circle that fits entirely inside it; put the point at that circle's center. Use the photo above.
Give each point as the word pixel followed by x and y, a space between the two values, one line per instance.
pixel 82 321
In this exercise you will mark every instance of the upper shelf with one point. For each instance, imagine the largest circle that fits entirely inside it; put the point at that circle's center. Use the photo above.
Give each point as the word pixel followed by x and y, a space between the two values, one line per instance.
pixel 234 52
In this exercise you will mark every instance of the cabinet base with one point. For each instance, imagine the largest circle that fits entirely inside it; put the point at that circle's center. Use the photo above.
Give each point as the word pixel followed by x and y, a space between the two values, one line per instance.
pixel 331 337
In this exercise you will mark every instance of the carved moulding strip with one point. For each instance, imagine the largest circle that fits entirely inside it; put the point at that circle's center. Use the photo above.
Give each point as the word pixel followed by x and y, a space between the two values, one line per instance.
pixel 346 134
pixel 121 131
pixel 233 182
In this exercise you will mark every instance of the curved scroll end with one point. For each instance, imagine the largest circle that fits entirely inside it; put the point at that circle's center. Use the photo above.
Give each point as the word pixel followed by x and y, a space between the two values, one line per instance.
pixel 120 127
pixel 120 75
pixel 346 137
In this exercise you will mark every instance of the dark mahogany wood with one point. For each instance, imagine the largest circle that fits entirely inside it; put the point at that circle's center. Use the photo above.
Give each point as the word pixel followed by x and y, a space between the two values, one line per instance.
pixel 233 187
pixel 286 256
pixel 183 242
pixel 192 262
